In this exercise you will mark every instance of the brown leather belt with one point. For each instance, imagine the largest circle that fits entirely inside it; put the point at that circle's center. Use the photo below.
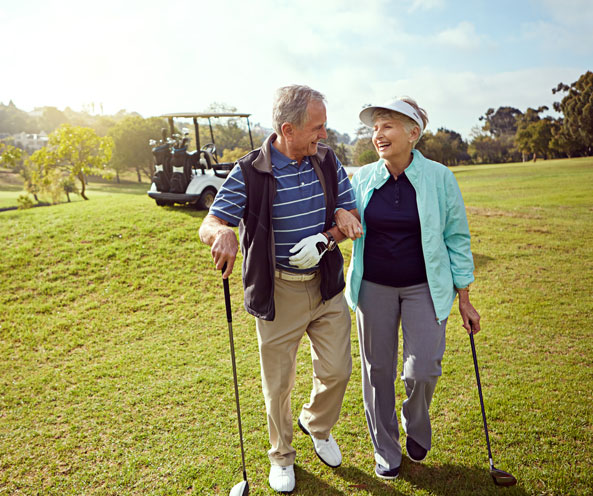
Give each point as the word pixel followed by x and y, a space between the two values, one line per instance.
pixel 291 276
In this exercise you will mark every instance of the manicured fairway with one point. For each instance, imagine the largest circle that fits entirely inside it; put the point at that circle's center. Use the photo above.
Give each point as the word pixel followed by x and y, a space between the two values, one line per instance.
pixel 115 374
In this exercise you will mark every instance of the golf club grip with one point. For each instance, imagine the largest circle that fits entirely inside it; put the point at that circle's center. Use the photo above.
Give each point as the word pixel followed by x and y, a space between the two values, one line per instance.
pixel 227 297
pixel 471 338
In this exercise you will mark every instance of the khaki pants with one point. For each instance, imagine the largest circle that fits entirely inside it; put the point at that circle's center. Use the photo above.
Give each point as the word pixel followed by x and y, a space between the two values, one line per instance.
pixel 299 310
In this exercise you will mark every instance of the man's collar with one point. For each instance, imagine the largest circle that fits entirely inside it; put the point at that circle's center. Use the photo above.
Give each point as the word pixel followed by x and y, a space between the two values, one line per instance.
pixel 263 162
pixel 279 160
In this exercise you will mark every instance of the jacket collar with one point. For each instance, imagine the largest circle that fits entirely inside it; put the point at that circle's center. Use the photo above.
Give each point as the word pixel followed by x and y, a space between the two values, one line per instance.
pixel 381 174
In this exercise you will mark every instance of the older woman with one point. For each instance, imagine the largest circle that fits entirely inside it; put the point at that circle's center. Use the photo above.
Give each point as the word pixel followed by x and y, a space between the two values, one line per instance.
pixel 412 260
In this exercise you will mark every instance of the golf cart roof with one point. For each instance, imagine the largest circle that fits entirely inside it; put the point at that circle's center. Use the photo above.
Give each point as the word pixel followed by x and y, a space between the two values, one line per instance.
pixel 205 115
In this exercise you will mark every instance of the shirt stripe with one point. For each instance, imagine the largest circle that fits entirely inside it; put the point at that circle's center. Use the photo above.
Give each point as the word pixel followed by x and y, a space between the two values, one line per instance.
pixel 299 205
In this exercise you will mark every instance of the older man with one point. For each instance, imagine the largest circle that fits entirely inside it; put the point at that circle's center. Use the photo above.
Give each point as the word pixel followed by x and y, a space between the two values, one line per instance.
pixel 283 197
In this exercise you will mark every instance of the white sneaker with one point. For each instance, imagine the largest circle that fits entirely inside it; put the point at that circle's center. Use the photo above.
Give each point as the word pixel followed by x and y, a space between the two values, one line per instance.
pixel 327 450
pixel 282 478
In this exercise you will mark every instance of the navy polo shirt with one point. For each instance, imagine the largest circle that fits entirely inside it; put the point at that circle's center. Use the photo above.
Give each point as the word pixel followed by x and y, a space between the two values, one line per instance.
pixel 299 205
pixel 393 246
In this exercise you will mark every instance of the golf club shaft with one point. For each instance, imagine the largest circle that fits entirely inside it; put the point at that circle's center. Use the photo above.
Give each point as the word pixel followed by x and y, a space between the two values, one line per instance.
pixel 229 317
pixel 471 337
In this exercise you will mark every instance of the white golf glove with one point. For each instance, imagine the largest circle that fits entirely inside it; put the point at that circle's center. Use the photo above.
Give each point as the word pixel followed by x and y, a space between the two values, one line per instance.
pixel 306 253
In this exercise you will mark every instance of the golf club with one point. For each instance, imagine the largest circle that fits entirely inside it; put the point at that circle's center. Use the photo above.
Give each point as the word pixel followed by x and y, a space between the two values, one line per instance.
pixel 500 477
pixel 242 488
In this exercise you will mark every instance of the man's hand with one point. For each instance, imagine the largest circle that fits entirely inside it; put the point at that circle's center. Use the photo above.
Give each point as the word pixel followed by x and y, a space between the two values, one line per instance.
pixel 308 255
pixel 348 223
pixel 224 250
pixel 216 233
pixel 470 316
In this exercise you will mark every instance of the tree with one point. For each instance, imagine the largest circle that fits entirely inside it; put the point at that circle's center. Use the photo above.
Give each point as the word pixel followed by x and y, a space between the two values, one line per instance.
pixel 131 149
pixel 16 159
pixel 501 126
pixel 341 150
pixel 50 119
pixel 229 133
pixel 534 137
pixel 564 144
pixel 446 147
pixel 364 151
pixel 232 155
pixel 11 157
pixel 14 120
pixel 577 107
pixel 485 149
pixel 75 151
pixel 500 122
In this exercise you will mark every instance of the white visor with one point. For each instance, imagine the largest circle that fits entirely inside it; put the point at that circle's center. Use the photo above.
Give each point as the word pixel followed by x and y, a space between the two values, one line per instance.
pixel 366 115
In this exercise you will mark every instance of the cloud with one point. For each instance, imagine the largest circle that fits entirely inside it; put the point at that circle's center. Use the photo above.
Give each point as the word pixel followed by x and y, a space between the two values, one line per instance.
pixel 463 36
pixel 569 12
pixel 456 100
pixel 426 5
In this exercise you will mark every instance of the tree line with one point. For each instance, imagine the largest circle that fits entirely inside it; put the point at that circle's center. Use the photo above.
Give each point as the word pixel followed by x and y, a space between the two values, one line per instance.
pixel 508 134
pixel 80 144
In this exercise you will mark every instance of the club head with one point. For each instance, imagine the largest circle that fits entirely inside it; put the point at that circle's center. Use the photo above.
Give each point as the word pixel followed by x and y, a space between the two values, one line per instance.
pixel 241 489
pixel 502 478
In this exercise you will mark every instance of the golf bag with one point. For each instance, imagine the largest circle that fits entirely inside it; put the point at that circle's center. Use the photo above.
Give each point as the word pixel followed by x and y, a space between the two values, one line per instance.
pixel 162 158
pixel 182 169
pixel 162 175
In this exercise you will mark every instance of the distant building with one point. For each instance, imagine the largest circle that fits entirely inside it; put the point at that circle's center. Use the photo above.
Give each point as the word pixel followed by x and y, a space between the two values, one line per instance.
pixel 30 142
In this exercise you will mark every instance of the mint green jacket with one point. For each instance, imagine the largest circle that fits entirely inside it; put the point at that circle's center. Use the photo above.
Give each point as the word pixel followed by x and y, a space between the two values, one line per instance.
pixel 443 223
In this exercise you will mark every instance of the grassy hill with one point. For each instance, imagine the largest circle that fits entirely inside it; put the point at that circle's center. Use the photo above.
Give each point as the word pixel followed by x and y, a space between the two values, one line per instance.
pixel 115 374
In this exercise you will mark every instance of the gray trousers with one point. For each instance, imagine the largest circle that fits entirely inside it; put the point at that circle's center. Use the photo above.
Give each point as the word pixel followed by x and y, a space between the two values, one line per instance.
pixel 378 315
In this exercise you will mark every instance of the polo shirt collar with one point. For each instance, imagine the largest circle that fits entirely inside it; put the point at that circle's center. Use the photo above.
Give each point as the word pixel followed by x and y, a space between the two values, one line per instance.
pixel 280 161
pixel 382 174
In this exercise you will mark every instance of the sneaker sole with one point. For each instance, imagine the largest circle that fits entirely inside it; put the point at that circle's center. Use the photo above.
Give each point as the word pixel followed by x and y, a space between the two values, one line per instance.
pixel 308 434
pixel 415 460
pixel 386 477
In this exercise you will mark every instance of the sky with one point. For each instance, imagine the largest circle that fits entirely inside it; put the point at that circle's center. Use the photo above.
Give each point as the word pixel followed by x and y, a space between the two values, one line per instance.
pixel 457 58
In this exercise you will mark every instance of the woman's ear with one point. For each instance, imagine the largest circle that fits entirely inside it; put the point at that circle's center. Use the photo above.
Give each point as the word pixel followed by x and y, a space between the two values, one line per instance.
pixel 414 134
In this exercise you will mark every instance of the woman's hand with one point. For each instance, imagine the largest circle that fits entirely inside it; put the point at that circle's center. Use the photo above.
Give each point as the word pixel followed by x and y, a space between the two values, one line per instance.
pixel 470 316
pixel 348 223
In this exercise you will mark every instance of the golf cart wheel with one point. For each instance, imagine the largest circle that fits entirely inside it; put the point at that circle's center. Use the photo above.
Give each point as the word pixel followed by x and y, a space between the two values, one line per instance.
pixel 206 199
pixel 160 203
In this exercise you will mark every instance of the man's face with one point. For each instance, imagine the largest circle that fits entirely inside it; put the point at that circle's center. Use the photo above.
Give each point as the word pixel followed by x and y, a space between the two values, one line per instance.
pixel 304 140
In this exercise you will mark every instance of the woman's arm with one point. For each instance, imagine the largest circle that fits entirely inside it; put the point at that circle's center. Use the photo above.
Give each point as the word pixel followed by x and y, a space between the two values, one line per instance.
pixel 457 240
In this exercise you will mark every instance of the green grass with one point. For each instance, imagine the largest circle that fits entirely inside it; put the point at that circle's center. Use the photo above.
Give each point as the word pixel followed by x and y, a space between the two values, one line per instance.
pixel 115 374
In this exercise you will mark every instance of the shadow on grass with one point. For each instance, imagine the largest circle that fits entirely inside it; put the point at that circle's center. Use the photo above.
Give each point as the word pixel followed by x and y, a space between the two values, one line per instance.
pixel 450 480
pixel 308 483
pixel 190 210
pixel 127 188
pixel 481 260
pixel 363 481
pixel 442 480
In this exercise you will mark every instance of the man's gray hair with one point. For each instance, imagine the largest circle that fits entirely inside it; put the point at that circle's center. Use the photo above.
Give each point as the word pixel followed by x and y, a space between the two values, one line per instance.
pixel 290 105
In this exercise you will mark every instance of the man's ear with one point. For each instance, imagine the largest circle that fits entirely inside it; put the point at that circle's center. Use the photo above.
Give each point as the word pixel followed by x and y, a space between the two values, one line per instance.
pixel 287 130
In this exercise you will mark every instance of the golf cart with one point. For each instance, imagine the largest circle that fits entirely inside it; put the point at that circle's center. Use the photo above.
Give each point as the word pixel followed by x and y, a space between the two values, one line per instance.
pixel 183 177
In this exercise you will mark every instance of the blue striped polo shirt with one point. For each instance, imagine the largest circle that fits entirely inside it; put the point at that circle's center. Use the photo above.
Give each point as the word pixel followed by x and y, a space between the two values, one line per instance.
pixel 299 204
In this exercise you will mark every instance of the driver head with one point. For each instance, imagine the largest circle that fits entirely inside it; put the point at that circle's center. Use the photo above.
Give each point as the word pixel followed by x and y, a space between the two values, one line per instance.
pixel 502 478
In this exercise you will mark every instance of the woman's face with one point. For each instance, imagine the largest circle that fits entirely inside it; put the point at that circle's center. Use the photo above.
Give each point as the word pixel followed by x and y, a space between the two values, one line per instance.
pixel 390 138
